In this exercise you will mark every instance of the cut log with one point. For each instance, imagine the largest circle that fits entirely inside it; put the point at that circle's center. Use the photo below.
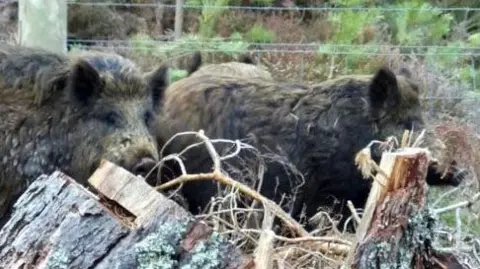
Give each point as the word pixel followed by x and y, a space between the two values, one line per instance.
pixel 397 229
pixel 57 223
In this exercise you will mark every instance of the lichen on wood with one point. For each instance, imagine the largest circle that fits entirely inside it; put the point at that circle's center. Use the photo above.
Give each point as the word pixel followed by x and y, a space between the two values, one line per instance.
pixel 207 254
pixel 401 230
pixel 159 249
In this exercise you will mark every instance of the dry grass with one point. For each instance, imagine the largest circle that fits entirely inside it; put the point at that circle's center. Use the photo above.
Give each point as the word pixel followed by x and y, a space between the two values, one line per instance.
pixel 277 248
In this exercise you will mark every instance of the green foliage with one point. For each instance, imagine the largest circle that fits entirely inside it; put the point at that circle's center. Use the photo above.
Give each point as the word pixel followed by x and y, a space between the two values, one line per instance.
pixel 470 223
pixel 351 3
pixel 362 56
pixel 254 3
pixel 348 25
pixel 445 55
pixel 426 26
pixel 189 43
pixel 177 74
pixel 358 58
pixel 259 34
pixel 452 59
pixel 420 24
pixel 142 43
pixel 210 15
pixel 474 40
pixel 358 35
pixel 262 2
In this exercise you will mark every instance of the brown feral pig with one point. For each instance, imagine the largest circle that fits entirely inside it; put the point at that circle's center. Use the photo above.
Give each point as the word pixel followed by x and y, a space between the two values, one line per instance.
pixel 319 129
pixel 68 113
pixel 245 67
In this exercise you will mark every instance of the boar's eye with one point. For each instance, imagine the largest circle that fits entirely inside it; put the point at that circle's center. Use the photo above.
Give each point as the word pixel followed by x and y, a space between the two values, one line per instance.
pixel 147 118
pixel 111 118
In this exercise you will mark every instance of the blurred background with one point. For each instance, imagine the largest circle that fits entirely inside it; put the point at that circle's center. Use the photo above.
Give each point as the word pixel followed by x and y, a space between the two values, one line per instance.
pixel 297 40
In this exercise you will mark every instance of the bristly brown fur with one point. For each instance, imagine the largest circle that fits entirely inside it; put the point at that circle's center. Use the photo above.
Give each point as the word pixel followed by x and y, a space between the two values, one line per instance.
pixel 244 67
pixel 244 58
pixel 195 62
pixel 68 113
pixel 319 129
pixel 120 74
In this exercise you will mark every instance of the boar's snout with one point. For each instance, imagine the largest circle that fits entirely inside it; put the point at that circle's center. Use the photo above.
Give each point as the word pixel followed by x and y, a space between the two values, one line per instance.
pixel 144 166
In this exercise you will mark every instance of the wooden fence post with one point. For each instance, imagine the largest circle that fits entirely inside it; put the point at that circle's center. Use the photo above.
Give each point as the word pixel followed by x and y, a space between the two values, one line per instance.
pixel 178 18
pixel 43 24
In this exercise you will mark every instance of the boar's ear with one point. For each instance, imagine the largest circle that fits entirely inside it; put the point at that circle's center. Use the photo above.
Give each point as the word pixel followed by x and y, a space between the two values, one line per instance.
pixel 195 63
pixel 83 81
pixel 158 81
pixel 244 58
pixel 383 91
pixel 49 80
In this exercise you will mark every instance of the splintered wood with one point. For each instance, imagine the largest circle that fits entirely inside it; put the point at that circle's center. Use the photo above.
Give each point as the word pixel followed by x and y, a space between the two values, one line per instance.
pixel 57 223
pixel 396 230
pixel 127 190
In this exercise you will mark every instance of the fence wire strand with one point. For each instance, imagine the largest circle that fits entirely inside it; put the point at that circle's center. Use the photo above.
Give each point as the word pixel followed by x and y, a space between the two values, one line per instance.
pixel 159 46
pixel 279 50
pixel 310 44
pixel 265 8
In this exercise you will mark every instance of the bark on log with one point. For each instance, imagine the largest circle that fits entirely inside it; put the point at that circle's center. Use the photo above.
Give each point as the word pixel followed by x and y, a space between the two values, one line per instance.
pixel 57 223
pixel 400 230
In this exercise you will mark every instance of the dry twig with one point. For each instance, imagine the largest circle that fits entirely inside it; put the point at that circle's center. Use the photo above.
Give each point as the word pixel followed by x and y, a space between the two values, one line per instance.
pixel 354 212
pixel 469 203
pixel 264 249
pixel 217 176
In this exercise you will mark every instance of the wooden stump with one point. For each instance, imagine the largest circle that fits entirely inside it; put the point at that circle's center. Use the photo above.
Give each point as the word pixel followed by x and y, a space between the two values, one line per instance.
pixel 57 223
pixel 398 231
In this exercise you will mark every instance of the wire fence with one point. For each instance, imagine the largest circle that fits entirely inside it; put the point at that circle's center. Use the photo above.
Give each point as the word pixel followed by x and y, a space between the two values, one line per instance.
pixel 292 47
pixel 310 59
pixel 273 8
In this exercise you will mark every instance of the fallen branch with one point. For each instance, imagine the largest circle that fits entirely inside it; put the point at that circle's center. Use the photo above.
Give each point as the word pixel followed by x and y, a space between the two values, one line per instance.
pixel 328 246
pixel 217 176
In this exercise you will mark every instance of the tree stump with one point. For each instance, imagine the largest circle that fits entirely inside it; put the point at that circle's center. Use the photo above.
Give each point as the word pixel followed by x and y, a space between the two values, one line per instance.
pixel 398 232
pixel 57 223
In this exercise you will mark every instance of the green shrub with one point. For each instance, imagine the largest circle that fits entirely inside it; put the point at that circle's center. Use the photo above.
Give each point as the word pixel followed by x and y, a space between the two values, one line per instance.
pixel 259 34
pixel 426 26
pixel 208 19
pixel 177 74
pixel 348 25
pixel 142 43
pixel 190 43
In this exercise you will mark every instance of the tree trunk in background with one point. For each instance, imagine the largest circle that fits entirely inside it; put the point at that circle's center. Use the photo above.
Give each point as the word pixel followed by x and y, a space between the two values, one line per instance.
pixel 159 11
